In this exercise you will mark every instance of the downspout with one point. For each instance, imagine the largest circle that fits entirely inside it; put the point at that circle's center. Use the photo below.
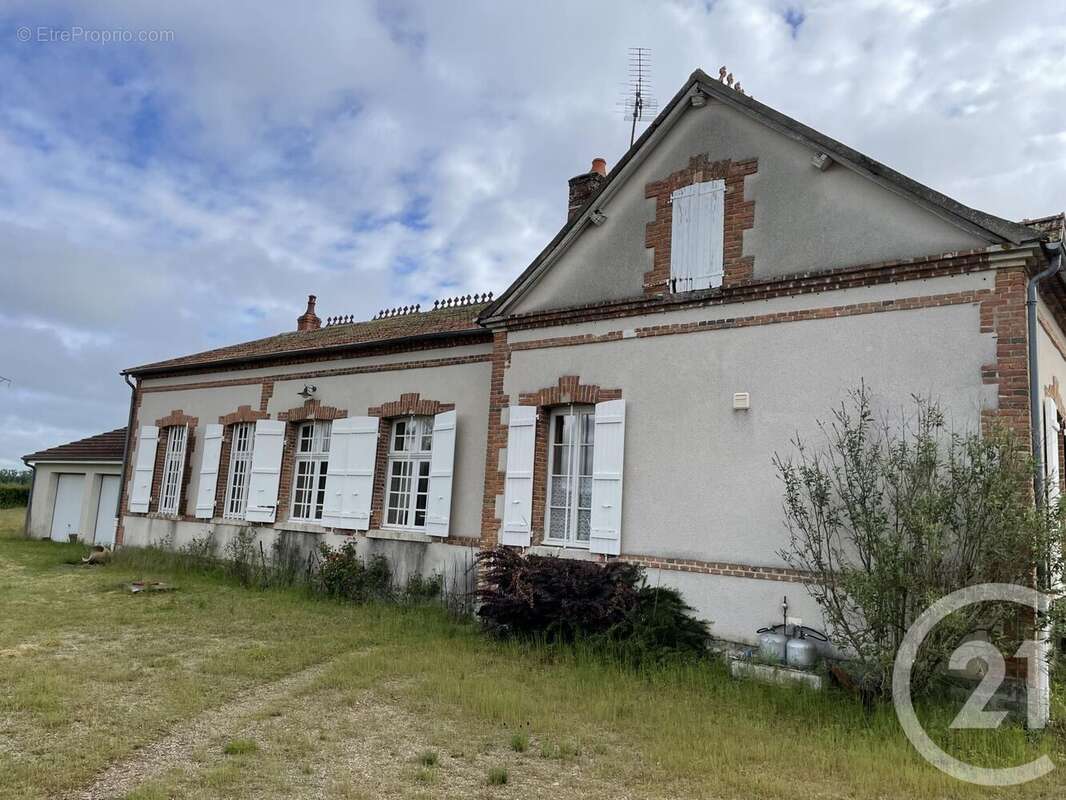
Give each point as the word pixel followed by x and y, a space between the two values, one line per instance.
pixel 1054 251
pixel 1042 685
pixel 125 455
pixel 29 502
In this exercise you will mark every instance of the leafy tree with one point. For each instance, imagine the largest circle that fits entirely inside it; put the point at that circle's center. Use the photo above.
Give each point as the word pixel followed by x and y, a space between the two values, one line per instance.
pixel 890 515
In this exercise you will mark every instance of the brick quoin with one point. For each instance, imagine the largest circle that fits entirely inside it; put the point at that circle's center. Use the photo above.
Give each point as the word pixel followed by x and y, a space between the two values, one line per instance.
pixel 739 217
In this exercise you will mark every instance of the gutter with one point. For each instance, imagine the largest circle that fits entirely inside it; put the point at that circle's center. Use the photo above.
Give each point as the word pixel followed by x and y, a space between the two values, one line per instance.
pixel 1054 253
pixel 211 366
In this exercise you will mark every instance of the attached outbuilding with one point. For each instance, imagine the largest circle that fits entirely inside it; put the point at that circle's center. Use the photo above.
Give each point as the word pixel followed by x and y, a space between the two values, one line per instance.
pixel 75 489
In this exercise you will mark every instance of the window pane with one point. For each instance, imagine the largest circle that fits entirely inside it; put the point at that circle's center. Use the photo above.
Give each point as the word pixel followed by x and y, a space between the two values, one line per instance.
pixel 557 523
pixel 560 460
pixel 584 497
pixel 399 436
pixel 584 525
pixel 427 435
pixel 560 491
pixel 588 428
pixel 585 467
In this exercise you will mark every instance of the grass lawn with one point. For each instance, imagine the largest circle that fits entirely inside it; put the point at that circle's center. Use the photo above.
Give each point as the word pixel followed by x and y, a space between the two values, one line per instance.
pixel 217 691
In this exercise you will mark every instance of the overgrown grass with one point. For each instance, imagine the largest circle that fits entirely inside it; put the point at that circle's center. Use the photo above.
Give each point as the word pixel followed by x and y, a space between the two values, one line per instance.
pixel 90 673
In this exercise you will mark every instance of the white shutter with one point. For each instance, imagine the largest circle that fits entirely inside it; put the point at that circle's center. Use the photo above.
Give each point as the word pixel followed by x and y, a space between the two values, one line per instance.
pixel 205 489
pixel 608 457
pixel 518 486
pixel 141 491
pixel 266 471
pixel 353 448
pixel 697 236
pixel 441 465
pixel 1051 449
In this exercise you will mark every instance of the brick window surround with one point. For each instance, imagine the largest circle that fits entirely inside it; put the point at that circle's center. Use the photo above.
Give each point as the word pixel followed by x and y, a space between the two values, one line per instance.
pixel 227 421
pixel 310 410
pixel 411 404
pixel 569 390
pixel 174 418
pixel 739 217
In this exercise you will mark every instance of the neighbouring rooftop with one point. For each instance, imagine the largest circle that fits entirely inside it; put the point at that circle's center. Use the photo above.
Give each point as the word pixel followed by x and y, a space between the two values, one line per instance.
pixel 101 447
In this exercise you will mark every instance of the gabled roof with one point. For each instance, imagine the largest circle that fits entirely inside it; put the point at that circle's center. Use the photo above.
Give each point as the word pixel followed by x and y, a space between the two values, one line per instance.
pixel 101 447
pixel 443 322
pixel 995 229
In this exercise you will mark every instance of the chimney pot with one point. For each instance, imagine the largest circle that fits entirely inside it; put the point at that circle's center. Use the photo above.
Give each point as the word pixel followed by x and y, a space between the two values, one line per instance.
pixel 583 187
pixel 309 321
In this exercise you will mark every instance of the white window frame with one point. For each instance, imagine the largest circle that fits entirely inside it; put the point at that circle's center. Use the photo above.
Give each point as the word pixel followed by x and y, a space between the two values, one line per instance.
pixel 173 470
pixel 242 444
pixel 308 500
pixel 409 456
pixel 583 414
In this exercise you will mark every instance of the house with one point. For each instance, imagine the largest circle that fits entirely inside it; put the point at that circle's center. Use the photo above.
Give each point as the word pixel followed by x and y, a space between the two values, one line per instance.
pixel 75 489
pixel 722 288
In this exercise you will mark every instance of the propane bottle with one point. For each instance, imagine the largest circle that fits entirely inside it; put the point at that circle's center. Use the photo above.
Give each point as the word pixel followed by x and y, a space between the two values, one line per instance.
pixel 772 645
pixel 801 652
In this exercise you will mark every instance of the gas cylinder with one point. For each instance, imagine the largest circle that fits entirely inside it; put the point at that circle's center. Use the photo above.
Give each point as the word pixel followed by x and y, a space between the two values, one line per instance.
pixel 772 645
pixel 801 652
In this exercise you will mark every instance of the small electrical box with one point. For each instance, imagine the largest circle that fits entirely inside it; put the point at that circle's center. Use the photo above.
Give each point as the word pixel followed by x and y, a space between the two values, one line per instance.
pixel 741 401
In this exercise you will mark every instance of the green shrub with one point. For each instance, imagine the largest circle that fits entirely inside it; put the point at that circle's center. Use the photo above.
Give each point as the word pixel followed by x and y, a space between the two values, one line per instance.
pixel 519 742
pixel 16 477
pixel 497 776
pixel 14 495
pixel 343 574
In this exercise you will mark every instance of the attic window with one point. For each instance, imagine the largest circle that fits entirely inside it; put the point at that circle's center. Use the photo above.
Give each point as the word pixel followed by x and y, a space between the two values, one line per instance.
pixel 697 236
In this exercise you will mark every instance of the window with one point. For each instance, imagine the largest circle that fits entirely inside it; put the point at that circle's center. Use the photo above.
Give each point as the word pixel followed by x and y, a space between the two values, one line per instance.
pixel 697 236
pixel 570 444
pixel 240 468
pixel 173 470
pixel 410 443
pixel 312 461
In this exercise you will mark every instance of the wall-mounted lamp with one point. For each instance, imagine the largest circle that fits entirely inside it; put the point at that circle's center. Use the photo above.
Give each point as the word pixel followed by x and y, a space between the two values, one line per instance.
pixel 308 390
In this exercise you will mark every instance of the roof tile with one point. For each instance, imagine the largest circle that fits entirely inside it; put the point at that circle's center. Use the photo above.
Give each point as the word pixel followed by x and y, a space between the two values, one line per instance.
pixel 101 447
pixel 457 319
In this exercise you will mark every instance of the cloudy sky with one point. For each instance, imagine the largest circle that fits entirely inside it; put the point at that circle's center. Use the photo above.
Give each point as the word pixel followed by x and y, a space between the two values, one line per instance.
pixel 164 197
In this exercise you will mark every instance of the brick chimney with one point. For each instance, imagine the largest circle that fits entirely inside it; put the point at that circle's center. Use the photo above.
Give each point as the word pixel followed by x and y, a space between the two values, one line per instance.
pixel 309 321
pixel 583 187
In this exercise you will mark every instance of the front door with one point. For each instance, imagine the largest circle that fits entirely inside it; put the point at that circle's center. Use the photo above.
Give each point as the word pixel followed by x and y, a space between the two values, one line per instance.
pixel 66 518
pixel 105 511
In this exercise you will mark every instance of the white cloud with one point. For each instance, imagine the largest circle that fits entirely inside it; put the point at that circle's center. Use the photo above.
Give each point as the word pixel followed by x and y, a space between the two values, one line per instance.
pixel 166 198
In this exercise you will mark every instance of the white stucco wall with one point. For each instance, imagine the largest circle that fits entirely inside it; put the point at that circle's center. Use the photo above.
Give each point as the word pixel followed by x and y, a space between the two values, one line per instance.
pixel 804 219
pixel 699 479
pixel 46 481
pixel 465 385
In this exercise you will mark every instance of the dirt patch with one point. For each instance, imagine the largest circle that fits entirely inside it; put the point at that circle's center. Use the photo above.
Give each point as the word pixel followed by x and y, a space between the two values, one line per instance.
pixel 176 748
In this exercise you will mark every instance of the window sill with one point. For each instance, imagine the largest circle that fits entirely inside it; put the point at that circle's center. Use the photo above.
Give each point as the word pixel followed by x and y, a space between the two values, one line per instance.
pixel 300 527
pixel 562 551
pixel 399 536
pixel 175 517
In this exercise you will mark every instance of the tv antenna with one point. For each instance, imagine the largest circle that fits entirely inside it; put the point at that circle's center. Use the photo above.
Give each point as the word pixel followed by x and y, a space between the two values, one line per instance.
pixel 637 104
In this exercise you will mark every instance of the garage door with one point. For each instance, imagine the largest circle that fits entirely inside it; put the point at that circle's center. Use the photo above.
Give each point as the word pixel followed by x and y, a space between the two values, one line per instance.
pixel 66 518
pixel 105 510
